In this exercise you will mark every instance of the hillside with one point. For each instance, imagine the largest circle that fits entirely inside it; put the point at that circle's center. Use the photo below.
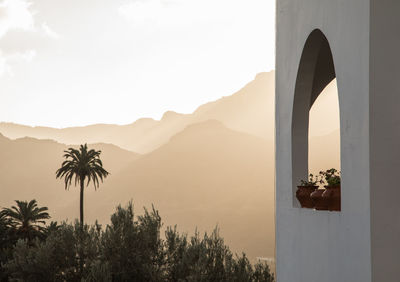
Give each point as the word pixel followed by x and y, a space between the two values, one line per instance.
pixel 214 166
pixel 205 175
pixel 27 171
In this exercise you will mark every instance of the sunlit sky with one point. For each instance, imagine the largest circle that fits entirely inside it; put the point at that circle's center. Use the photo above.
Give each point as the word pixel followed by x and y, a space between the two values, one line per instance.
pixel 78 62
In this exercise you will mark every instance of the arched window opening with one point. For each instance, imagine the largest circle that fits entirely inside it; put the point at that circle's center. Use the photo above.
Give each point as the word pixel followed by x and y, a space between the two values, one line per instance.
pixel 315 125
pixel 324 131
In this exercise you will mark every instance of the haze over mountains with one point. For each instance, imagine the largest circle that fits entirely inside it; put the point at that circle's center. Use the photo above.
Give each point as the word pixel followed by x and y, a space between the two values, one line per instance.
pixel 27 171
pixel 246 111
pixel 214 166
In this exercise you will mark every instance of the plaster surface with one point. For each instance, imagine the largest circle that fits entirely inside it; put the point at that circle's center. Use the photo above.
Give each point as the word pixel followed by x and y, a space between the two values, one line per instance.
pixel 362 242
pixel 321 245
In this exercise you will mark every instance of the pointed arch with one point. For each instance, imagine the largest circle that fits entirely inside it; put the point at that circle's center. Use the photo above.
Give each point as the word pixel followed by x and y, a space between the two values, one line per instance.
pixel 316 70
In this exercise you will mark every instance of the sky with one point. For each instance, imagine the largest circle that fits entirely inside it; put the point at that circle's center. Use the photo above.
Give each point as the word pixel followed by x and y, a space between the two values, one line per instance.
pixel 78 62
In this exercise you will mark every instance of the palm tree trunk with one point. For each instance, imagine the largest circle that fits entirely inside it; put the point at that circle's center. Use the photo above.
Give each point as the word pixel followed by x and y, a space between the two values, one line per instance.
pixel 81 201
pixel 81 259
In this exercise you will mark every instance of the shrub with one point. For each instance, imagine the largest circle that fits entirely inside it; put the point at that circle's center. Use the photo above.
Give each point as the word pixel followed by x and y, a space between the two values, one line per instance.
pixel 128 250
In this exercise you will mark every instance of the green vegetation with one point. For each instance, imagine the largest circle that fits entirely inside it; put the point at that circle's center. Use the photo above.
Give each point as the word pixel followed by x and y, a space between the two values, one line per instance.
pixel 311 181
pixel 331 176
pixel 25 218
pixel 128 249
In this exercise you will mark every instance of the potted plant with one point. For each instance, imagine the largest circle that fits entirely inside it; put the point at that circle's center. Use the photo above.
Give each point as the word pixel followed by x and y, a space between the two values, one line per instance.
pixel 318 202
pixel 332 195
pixel 305 189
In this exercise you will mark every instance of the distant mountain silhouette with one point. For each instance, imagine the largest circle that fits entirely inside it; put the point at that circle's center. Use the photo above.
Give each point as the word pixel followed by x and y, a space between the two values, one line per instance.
pixel 249 110
pixel 214 166
pixel 27 171
pixel 205 175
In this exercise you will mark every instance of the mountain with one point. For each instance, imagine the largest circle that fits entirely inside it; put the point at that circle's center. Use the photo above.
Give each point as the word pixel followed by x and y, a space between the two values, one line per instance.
pixel 250 110
pixel 145 135
pixel 205 175
pixel 27 171
pixel 214 166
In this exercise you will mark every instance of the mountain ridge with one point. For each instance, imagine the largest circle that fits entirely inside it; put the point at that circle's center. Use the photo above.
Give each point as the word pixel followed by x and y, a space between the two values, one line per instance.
pixel 147 134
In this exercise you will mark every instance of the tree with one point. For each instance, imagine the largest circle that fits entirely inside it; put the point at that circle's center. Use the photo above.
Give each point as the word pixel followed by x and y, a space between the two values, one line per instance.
pixel 133 248
pixel 26 218
pixel 82 165
pixel 129 249
pixel 54 259
pixel 7 241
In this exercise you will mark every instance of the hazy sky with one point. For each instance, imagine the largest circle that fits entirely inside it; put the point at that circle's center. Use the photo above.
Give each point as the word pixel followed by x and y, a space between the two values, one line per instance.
pixel 77 62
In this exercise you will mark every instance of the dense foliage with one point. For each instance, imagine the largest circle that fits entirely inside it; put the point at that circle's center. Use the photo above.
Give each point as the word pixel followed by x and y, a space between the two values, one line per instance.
pixel 128 249
pixel 25 218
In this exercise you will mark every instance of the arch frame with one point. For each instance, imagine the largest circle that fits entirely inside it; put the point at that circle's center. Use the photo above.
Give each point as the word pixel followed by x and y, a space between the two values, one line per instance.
pixel 315 71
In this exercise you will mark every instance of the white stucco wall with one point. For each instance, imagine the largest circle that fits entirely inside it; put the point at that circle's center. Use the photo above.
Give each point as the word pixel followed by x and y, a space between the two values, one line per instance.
pixel 362 242
pixel 321 245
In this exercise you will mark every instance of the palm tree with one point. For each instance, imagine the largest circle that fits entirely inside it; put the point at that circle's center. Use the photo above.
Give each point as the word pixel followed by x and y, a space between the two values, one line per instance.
pixel 5 225
pixel 26 218
pixel 82 165
pixel 4 221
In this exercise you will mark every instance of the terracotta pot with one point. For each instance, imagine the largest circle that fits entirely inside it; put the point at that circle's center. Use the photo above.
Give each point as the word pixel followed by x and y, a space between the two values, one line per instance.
pixel 319 202
pixel 332 197
pixel 303 196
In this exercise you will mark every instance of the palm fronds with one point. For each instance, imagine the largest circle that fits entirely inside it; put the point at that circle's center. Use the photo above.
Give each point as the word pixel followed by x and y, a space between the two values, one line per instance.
pixel 80 166
pixel 26 217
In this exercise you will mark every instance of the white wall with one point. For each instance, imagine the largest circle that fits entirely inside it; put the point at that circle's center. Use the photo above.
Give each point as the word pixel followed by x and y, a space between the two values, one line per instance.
pixel 321 245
